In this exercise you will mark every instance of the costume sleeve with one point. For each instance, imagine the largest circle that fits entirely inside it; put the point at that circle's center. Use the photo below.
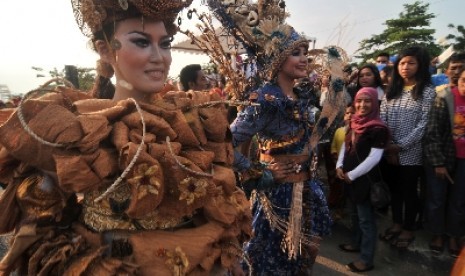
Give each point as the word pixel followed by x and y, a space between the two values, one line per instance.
pixel 248 122
pixel 372 160
pixel 417 133
pixel 435 129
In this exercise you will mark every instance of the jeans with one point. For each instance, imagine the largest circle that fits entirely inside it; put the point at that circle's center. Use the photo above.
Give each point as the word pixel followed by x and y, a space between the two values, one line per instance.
pixel 364 236
pixel 445 204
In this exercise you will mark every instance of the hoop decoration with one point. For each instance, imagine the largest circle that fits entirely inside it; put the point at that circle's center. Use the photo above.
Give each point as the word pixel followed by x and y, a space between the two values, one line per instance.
pixel 20 114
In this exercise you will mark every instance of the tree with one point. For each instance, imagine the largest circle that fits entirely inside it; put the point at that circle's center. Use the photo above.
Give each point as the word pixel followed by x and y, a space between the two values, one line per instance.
pixel 411 28
pixel 85 76
pixel 459 44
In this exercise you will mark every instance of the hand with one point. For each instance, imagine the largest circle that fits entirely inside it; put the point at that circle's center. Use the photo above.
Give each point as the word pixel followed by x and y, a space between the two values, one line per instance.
pixel 442 173
pixel 347 179
pixel 340 173
pixel 281 170
pixel 236 270
pixel 392 154
pixel 393 148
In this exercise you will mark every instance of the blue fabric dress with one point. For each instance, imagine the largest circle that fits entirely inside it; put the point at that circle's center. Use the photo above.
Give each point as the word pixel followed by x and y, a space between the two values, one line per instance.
pixel 279 119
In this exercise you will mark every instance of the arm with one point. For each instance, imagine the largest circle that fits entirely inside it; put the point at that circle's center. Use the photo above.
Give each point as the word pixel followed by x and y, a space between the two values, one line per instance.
pixel 340 159
pixel 435 129
pixel 369 163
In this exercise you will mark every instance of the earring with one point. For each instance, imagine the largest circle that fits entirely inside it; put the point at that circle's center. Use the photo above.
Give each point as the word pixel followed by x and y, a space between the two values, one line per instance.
pixel 123 4
pixel 115 44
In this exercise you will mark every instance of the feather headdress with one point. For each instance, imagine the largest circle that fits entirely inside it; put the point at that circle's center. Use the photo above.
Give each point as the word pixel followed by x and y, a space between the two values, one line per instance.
pixel 261 28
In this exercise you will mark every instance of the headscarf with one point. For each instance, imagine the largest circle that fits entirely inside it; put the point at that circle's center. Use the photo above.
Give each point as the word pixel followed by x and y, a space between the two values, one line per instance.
pixel 361 123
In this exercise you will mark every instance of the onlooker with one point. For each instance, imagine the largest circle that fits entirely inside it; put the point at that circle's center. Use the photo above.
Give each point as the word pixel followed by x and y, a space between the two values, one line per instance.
pixel 192 77
pixel 350 74
pixel 445 161
pixel 382 58
pixel 368 76
pixel 357 166
pixel 386 76
pixel 336 196
pixel 324 88
pixel 405 111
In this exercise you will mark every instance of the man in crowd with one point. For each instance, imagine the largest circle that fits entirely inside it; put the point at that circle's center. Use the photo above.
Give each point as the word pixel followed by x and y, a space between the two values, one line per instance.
pixel 444 160
pixel 192 77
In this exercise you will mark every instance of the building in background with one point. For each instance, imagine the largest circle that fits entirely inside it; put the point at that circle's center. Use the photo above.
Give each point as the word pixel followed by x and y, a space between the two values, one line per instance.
pixel 5 93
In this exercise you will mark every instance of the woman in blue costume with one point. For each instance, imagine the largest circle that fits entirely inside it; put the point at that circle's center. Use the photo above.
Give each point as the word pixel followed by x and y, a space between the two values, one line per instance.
pixel 284 126
pixel 290 214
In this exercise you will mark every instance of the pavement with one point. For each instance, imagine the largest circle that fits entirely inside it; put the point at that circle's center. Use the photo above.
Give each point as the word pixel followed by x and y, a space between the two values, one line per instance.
pixel 417 259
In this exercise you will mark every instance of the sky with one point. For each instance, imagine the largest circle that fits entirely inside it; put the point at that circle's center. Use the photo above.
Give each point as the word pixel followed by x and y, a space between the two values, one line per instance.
pixel 44 33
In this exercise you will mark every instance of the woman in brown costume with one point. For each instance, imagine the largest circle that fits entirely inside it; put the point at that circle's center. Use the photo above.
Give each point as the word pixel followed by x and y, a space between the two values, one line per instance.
pixel 135 184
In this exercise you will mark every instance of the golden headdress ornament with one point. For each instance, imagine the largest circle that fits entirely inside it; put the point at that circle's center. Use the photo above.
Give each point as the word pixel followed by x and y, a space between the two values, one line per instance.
pixel 261 28
pixel 93 15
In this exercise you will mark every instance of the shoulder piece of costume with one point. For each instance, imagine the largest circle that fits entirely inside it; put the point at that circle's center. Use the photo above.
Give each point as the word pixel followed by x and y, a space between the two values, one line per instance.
pixel 178 191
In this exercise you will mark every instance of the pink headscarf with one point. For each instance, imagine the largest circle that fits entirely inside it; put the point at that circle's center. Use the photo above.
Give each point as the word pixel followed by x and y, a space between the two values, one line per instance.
pixel 360 123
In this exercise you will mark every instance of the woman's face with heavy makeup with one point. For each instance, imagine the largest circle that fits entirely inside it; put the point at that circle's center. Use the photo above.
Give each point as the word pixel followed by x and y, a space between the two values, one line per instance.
pixel 295 66
pixel 143 60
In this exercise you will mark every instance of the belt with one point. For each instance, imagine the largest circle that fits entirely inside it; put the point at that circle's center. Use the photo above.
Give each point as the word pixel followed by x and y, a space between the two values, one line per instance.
pixel 298 176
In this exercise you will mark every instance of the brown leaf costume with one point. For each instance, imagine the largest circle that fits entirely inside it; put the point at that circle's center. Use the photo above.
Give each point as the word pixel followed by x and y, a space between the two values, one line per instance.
pixel 177 211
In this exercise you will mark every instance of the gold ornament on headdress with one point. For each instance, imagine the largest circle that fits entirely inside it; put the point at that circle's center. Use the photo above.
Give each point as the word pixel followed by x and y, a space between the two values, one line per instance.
pixel 92 15
pixel 262 29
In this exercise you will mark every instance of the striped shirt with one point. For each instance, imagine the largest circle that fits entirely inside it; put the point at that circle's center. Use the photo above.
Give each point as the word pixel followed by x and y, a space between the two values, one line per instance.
pixel 407 118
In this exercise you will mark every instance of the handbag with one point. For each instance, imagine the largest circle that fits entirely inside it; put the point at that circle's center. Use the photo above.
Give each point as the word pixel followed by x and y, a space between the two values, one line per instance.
pixel 380 196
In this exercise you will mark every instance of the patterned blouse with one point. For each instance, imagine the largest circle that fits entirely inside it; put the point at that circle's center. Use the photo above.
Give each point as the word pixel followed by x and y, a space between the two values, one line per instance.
pixel 407 118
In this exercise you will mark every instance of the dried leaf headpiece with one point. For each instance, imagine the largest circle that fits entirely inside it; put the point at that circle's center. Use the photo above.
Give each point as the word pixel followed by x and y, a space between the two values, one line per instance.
pixel 92 15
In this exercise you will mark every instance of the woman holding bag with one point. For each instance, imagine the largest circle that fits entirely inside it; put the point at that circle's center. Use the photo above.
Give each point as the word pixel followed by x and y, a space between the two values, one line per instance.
pixel 356 165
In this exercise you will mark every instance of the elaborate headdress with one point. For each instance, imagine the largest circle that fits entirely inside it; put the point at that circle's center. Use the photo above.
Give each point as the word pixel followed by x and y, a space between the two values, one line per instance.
pixel 262 30
pixel 92 15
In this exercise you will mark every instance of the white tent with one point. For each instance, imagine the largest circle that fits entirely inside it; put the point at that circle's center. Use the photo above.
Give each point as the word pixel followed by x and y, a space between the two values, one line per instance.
pixel 228 43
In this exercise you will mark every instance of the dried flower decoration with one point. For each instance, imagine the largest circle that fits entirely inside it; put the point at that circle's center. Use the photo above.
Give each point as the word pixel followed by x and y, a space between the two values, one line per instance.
pixel 177 261
pixel 192 188
pixel 146 180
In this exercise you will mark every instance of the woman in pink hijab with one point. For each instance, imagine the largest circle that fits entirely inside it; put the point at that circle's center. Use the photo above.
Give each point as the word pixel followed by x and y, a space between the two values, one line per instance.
pixel 357 166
